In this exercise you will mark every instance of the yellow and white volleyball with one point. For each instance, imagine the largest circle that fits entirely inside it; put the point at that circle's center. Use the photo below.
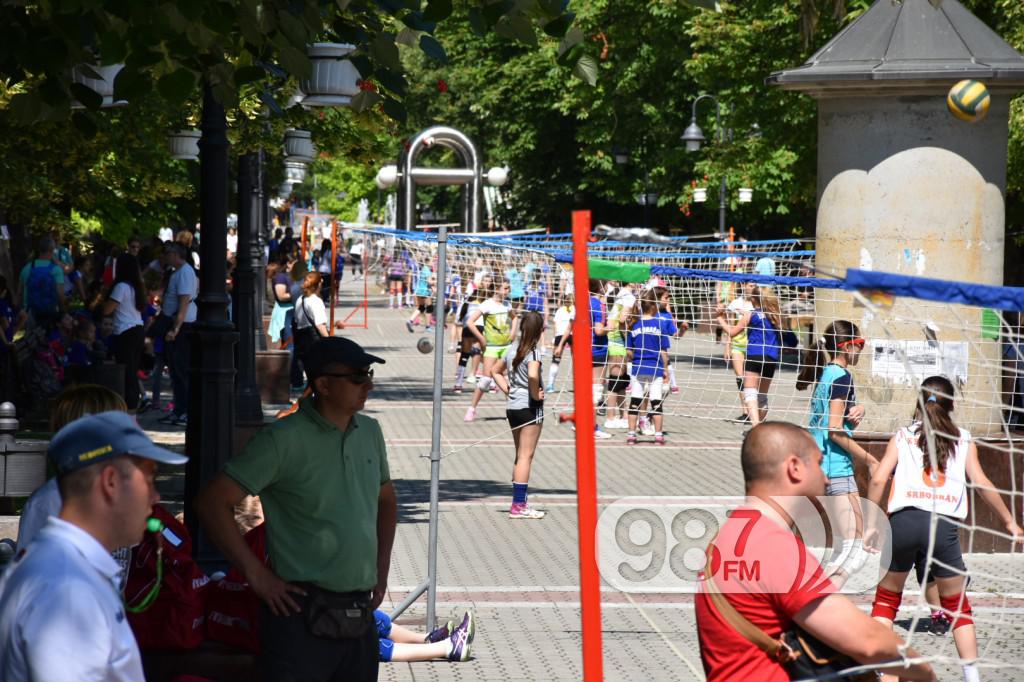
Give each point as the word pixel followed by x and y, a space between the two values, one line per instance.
pixel 969 100
pixel 424 345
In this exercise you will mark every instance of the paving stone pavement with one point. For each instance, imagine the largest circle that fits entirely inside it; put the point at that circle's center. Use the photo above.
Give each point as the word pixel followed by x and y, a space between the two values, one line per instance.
pixel 520 577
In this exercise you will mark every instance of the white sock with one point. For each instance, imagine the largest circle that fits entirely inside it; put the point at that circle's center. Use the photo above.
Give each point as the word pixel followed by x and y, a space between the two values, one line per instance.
pixel 460 372
pixel 391 300
pixel 971 673
pixel 552 373
pixel 672 377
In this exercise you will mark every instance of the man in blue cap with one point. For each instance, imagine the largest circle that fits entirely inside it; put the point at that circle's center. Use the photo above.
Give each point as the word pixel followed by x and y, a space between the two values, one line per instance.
pixel 61 615
pixel 322 477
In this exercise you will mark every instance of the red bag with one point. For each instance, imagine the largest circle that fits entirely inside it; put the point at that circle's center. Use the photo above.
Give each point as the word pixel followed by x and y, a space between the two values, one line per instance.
pixel 233 609
pixel 174 619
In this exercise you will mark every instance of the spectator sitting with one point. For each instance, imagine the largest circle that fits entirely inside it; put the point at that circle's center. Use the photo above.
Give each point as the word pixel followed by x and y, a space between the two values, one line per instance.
pixel 105 335
pixel 82 351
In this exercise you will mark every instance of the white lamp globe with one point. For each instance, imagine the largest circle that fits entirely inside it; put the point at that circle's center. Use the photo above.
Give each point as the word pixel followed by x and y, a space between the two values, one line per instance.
pixel 497 176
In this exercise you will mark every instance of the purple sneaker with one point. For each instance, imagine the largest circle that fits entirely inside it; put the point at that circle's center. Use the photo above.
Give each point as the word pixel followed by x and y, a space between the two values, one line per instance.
pixel 469 625
pixel 460 645
pixel 440 634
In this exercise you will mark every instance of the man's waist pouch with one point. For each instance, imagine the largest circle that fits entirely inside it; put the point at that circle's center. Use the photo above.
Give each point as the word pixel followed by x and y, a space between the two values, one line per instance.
pixel 336 615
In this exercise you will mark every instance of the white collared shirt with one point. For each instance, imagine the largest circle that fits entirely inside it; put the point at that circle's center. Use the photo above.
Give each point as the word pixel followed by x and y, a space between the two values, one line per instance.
pixel 61 616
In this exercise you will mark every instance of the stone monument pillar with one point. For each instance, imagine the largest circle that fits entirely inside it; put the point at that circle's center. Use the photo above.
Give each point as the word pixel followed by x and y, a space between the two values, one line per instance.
pixel 905 187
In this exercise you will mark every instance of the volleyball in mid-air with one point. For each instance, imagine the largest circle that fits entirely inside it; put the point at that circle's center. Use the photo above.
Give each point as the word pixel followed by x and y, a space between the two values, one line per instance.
pixel 968 100
pixel 424 345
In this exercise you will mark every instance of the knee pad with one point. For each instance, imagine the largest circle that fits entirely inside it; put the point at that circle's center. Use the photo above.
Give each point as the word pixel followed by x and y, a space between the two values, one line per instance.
pixel 959 611
pixel 750 395
pixel 475 351
pixel 886 604
pixel 739 383
pixel 484 384
pixel 422 308
pixel 598 393
pixel 657 406
pixel 634 405
pixel 464 359
pixel 762 401
pixel 430 309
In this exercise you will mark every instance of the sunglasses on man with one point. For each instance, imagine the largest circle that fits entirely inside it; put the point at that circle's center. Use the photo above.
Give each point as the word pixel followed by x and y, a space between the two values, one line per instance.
pixel 357 378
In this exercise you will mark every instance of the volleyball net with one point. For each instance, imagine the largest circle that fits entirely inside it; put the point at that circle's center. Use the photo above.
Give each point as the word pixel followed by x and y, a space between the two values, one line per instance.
pixel 912 328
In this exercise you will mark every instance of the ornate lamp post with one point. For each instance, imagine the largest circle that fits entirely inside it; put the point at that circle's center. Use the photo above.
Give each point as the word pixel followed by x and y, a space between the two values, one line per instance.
pixel 693 136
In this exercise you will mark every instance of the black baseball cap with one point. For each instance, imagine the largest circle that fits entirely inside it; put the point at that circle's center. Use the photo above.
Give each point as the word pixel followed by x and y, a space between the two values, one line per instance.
pixel 335 349
pixel 98 437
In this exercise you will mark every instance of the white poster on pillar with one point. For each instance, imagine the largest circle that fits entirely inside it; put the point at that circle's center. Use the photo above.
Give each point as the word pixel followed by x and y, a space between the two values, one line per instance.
pixel 910 362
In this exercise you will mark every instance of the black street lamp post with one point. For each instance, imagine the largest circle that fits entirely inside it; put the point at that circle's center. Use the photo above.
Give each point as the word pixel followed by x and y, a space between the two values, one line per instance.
pixel 261 236
pixel 211 408
pixel 693 136
pixel 249 409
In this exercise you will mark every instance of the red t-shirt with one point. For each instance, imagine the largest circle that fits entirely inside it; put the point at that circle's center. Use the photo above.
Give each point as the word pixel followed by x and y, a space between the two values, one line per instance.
pixel 767 574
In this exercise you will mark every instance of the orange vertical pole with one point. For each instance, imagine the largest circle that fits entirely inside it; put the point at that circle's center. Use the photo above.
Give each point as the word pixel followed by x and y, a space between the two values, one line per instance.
pixel 732 242
pixel 334 267
pixel 586 458
pixel 305 227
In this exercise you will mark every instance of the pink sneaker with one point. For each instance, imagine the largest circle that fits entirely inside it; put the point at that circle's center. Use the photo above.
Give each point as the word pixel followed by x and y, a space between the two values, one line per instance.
pixel 524 511
pixel 457 388
pixel 659 440
pixel 631 439
pixel 674 389
pixel 470 415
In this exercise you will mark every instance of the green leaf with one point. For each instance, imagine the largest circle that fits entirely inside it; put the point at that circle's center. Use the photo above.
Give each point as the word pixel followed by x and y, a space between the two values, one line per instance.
pixel 249 74
pixel 496 10
pixel 293 28
pixel 113 48
pixel 177 86
pixel 433 49
pixel 408 37
pixel 295 61
pixel 395 110
pixel 250 26
pixel 271 103
pixel 84 124
pixel 365 100
pixel 516 27
pixel 572 38
pixel 86 96
pixel 437 10
pixel 552 8
pixel 342 4
pixel 557 28
pixel 131 84
pixel 25 107
pixel 570 56
pixel 705 4
pixel 477 22
pixel 416 21
pixel 586 69
pixel 394 82
pixel 385 51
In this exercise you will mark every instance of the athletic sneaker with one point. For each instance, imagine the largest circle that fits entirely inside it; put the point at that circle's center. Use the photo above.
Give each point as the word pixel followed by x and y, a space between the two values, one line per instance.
pixel 469 624
pixel 524 511
pixel 742 419
pixel 940 623
pixel 598 433
pixel 440 634
pixel 408 325
pixel 631 438
pixel 647 428
pixel 659 440
pixel 460 646
pixel 550 388
pixel 623 423
pixel 429 330
pixel 457 388
pixel 674 389
pixel 613 424
pixel 494 388
pixel 470 415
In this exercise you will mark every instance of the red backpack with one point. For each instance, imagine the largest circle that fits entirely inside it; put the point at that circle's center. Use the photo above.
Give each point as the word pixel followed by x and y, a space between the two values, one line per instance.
pixel 173 619
pixel 233 609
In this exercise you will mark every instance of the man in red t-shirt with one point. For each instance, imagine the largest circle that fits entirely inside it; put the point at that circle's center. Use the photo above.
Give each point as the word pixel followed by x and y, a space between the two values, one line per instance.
pixel 769 576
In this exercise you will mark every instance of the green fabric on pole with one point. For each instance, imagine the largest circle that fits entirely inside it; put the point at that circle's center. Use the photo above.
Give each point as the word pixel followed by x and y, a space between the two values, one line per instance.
pixel 989 324
pixel 623 272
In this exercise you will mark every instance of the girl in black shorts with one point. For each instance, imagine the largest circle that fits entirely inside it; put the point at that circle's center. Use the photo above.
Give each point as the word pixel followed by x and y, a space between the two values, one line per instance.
pixel 525 407
pixel 924 483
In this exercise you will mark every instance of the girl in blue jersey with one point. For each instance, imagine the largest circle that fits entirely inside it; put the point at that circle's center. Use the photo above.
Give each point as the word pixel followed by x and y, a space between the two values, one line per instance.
pixel 834 415
pixel 647 349
pixel 764 349
pixel 599 346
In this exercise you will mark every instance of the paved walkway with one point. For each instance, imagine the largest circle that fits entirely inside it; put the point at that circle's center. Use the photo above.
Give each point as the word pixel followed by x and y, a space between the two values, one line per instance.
pixel 520 576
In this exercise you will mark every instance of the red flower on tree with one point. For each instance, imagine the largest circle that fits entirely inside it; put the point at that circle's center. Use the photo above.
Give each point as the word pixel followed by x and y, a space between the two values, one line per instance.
pixel 366 86
pixel 442 85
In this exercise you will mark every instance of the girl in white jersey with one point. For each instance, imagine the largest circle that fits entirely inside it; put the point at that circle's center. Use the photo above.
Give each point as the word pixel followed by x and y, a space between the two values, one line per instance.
pixel 925 481
pixel 564 316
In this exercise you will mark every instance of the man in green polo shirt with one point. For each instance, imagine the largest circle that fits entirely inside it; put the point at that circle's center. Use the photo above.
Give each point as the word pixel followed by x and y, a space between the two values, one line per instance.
pixel 330 507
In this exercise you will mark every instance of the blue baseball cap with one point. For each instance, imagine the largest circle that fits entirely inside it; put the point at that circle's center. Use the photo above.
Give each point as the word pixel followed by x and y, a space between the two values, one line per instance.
pixel 98 437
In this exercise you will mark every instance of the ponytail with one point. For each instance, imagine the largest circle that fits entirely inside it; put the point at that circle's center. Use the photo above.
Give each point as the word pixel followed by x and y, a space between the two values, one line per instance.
pixel 934 408
pixel 837 334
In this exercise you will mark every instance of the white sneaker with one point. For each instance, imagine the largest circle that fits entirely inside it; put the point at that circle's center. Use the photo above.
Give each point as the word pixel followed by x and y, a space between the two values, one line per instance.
pixel 623 424
pixel 646 427
pixel 611 424
pixel 599 434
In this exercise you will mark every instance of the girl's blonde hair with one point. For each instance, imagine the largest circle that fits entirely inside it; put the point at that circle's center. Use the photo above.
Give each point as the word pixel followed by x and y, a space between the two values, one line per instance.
pixel 766 301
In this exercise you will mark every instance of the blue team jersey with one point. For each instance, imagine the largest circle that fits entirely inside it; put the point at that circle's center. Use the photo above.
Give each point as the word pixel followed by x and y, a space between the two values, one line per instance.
pixel 516 283
pixel 646 339
pixel 668 325
pixel 422 287
pixel 599 344
pixel 836 383
pixel 535 300
pixel 762 337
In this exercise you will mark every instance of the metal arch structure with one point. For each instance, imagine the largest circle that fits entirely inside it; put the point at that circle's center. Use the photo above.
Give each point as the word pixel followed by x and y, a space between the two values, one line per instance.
pixel 470 175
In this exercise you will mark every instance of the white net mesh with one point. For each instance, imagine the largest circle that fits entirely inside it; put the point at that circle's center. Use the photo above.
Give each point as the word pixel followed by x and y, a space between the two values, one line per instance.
pixel 905 341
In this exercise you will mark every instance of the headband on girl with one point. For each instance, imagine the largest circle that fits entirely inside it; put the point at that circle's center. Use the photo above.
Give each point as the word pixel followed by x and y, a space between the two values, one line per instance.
pixel 932 399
